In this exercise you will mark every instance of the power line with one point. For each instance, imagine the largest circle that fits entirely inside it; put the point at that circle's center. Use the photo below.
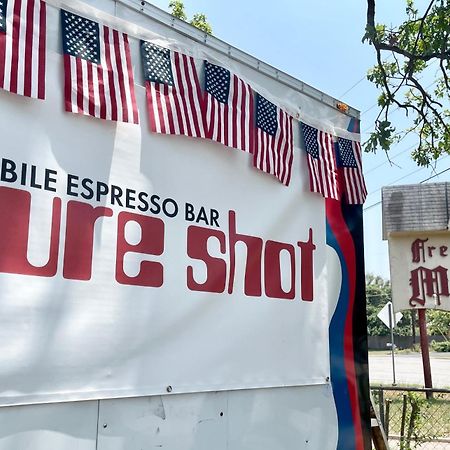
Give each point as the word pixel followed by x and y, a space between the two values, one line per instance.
pixel 401 178
pixel 390 112
pixel 389 160
pixel 353 87
pixel 361 80
pixel 435 175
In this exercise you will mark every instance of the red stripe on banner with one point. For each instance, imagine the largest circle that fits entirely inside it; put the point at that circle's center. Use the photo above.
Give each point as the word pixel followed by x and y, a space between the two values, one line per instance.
pixel 15 46
pixel 217 120
pixel 281 149
pixel 189 98
pixel 109 72
pixel 187 60
pixel 242 118
pixel 90 78
pixel 101 91
pixel 199 117
pixel 173 93
pixel 346 243
pixel 131 79
pixel 278 147
pixel 28 59
pixel 251 128
pixel 226 124
pixel 151 117
pixel 312 172
pixel 119 69
pixel 80 87
pixel 212 117
pixel 236 107
pixel 170 114
pixel 268 151
pixel 160 90
pixel 67 83
pixel 42 46
pixel 2 58
pixel 290 150
pixel 179 65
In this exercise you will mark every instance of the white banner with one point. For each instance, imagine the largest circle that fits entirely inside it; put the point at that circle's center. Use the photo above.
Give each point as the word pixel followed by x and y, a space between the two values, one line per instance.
pixel 136 264
pixel 420 264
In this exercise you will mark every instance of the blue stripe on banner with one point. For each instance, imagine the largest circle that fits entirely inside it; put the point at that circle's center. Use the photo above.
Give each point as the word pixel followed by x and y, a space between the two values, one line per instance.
pixel 346 430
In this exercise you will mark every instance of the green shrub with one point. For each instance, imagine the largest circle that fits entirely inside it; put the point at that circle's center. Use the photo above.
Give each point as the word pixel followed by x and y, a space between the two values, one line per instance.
pixel 440 346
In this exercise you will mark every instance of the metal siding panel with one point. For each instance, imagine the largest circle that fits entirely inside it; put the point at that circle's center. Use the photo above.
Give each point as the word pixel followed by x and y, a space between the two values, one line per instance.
pixel 68 426
pixel 289 418
pixel 170 422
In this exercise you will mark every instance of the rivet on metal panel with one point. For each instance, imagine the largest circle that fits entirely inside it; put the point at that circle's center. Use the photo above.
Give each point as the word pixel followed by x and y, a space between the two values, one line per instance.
pixel 169 388
pixel 105 425
pixel 229 50
pixel 173 22
pixel 277 74
pixel 327 379
pixel 257 64
pixel 221 414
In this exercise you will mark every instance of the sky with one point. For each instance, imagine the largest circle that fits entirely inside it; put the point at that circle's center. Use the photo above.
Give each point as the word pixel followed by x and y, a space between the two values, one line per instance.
pixel 319 43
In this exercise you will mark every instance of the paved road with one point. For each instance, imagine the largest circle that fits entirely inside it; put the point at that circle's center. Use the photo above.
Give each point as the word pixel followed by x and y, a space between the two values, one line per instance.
pixel 408 369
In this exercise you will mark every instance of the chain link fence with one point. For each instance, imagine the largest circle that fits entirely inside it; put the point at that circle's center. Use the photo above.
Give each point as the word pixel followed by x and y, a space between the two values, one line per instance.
pixel 414 418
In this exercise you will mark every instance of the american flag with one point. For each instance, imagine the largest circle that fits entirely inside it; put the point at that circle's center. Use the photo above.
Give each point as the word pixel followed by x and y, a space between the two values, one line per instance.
pixel 229 108
pixel 173 92
pixel 273 151
pixel 319 148
pixel 349 162
pixel 98 73
pixel 22 47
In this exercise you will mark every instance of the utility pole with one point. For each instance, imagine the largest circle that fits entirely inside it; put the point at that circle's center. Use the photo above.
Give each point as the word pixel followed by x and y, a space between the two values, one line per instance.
pixel 424 347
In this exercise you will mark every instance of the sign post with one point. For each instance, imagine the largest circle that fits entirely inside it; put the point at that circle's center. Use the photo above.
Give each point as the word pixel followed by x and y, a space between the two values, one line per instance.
pixel 386 315
pixel 391 326
pixel 425 350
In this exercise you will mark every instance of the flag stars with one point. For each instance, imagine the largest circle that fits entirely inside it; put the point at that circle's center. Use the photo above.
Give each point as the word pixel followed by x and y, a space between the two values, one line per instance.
pixel 310 137
pixel 217 81
pixel 346 155
pixel 157 64
pixel 81 37
pixel 266 115
pixel 2 15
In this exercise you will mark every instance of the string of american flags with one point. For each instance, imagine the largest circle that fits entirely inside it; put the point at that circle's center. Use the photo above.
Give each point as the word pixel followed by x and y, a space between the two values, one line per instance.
pixel 99 82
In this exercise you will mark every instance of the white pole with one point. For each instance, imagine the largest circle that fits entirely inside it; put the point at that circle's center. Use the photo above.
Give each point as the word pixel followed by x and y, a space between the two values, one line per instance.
pixel 391 327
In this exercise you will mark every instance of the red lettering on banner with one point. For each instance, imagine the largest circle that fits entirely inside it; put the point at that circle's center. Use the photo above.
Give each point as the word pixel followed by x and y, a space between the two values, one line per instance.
pixel 307 266
pixel 15 206
pixel 78 248
pixel 262 258
pixel 152 243
pixel 197 238
pixel 216 268
pixel 252 280
pixel 272 270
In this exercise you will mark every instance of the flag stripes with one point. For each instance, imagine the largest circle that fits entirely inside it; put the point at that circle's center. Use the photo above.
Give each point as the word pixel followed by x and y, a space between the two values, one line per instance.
pixel 321 160
pixel 355 187
pixel 231 122
pixel 273 154
pixel 99 82
pixel 176 108
pixel 22 48
pixel 105 89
